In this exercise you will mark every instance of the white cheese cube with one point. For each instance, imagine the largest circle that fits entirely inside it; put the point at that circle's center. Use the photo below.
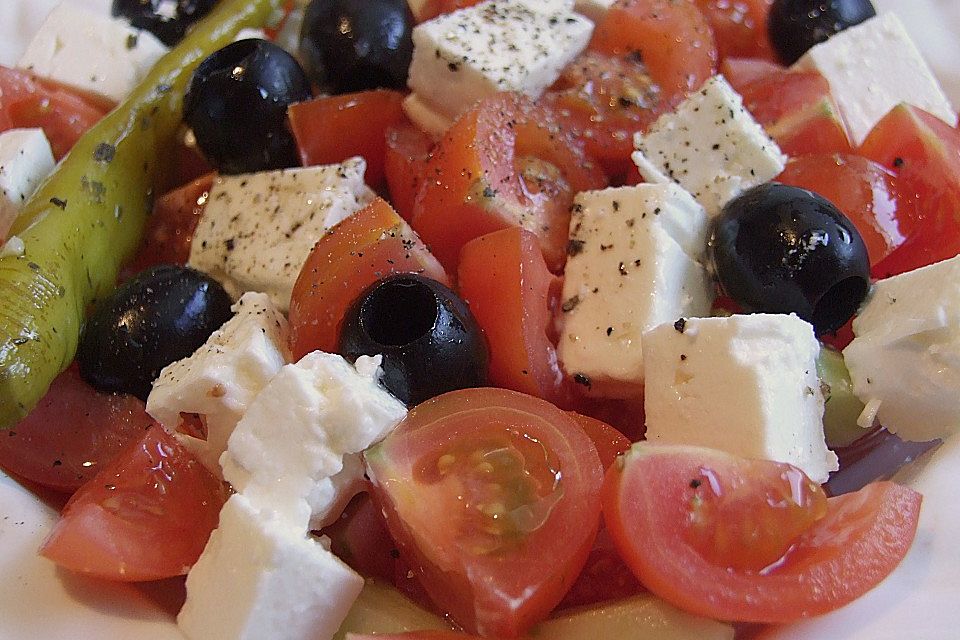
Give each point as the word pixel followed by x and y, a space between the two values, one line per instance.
pixel 91 52
pixel 258 228
pixel 223 376
pixel 25 161
pixel 258 578
pixel 905 359
pixel 495 46
pixel 635 262
pixel 596 10
pixel 872 68
pixel 711 146
pixel 297 431
pixel 745 384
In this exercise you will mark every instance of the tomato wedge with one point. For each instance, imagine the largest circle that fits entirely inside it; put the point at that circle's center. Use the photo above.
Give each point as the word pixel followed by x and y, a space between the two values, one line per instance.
pixel 689 521
pixel 494 496
pixel 146 516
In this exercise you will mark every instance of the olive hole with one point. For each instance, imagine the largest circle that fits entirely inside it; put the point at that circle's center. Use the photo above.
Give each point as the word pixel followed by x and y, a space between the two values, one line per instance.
pixel 398 313
pixel 838 304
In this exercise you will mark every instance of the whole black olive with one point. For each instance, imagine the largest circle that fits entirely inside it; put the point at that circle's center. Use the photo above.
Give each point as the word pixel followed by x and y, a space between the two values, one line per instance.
pixel 796 25
pixel 783 249
pixel 349 46
pixel 237 106
pixel 166 19
pixel 429 340
pixel 162 315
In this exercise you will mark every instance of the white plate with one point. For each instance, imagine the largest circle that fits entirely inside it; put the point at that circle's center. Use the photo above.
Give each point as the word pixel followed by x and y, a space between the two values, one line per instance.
pixel 920 600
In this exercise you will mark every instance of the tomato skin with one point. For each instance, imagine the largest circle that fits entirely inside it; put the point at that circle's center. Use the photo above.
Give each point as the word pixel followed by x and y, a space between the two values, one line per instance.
pixel 64 115
pixel 72 433
pixel 319 126
pixel 860 540
pixel 459 455
pixel 406 155
pixel 477 184
pixel 146 516
pixel 609 442
pixel 504 279
pixel 739 27
pixel 863 190
pixel 369 245
pixel 672 37
pixel 171 226
pixel 430 9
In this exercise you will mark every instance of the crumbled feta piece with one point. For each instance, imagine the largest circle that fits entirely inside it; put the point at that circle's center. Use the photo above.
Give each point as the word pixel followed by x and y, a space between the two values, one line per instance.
pixel 220 380
pixel 257 229
pixel 25 160
pixel 259 577
pixel 425 117
pixel 905 359
pixel 873 67
pixel 745 384
pixel 593 9
pixel 635 261
pixel 91 52
pixel 711 146
pixel 495 46
pixel 297 431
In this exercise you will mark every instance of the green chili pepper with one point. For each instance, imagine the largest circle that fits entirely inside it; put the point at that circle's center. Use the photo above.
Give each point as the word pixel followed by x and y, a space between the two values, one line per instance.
pixel 89 216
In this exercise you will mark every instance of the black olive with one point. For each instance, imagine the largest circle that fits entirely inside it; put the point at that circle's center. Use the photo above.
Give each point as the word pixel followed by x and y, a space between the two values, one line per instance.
pixel 783 249
pixel 348 45
pixel 162 315
pixel 237 106
pixel 166 19
pixel 429 340
pixel 796 25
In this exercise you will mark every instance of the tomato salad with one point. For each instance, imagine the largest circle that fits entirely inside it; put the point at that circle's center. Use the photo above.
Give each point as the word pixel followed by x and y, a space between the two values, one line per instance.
pixel 514 499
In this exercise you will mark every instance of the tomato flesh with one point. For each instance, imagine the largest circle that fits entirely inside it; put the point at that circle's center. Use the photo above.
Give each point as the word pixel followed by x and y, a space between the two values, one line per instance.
pixel 146 516
pixel 494 497
pixel 405 159
pixel 669 539
pixel 739 27
pixel 72 433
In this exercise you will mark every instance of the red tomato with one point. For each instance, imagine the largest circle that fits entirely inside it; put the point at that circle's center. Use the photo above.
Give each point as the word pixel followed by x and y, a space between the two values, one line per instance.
pixel 925 153
pixel 146 516
pixel 865 191
pixel 63 114
pixel 431 634
pixel 170 228
pixel 430 9
pixel 671 37
pixel 367 246
pixel 609 442
pixel 331 129
pixel 604 100
pixel 407 152
pixel 495 495
pixel 739 27
pixel 748 540
pixel 72 433
pixel 815 128
pixel 360 538
pixel 504 163
pixel 504 279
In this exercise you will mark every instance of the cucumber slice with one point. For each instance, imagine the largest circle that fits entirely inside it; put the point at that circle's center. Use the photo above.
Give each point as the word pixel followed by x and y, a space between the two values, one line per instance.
pixel 382 609
pixel 842 406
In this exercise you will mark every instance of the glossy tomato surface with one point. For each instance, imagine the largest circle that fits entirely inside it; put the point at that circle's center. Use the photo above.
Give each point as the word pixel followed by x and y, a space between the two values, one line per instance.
pixel 367 246
pixel 493 497
pixel 405 159
pixel 748 540
pixel 146 516
pixel 72 434
pixel 504 163
pixel 739 27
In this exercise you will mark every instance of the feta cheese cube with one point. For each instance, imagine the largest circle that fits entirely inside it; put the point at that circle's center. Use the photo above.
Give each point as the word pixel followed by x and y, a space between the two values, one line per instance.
pixel 872 68
pixel 495 46
pixel 220 380
pixel 711 146
pixel 905 359
pixel 635 262
pixel 91 52
pixel 25 161
pixel 745 384
pixel 259 577
pixel 297 431
pixel 258 229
